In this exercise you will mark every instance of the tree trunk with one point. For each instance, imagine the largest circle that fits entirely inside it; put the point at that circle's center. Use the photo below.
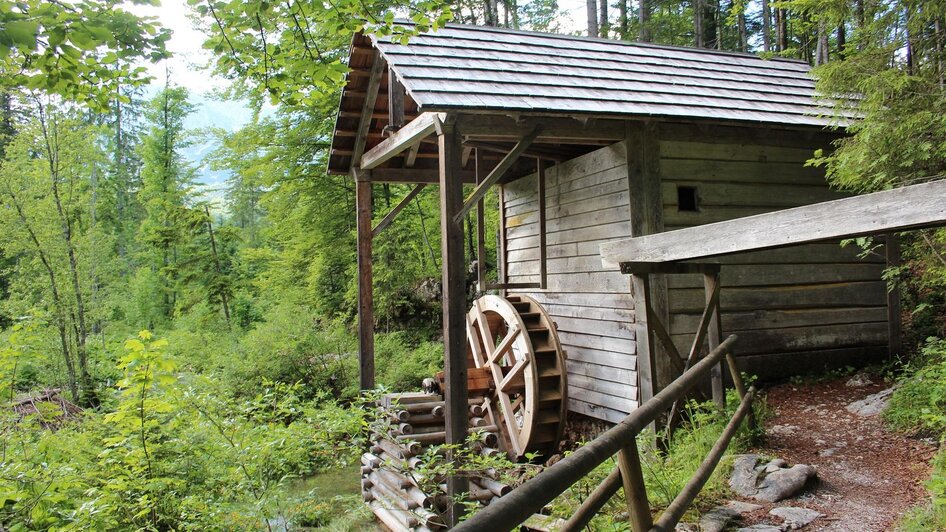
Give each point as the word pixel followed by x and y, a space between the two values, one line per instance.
pixel 821 47
pixel 591 10
pixel 842 39
pixel 782 30
pixel 82 332
pixel 643 18
pixel 622 20
pixel 766 26
pixel 213 247
pixel 58 309
pixel 743 33
pixel 604 25
pixel 698 23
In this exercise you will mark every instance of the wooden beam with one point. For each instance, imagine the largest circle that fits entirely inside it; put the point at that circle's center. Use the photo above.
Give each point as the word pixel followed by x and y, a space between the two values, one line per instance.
pixel 407 136
pixel 454 309
pixel 539 153
pixel 389 217
pixel 395 103
pixel 512 286
pixel 894 325
pixel 497 173
pixel 897 210
pixel 543 237
pixel 411 156
pixel 640 268
pixel 480 227
pixel 365 296
pixel 367 110
pixel 427 176
pixel 554 128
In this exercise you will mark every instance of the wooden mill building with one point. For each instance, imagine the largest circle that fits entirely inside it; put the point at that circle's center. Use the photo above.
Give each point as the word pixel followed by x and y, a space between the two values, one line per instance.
pixel 590 141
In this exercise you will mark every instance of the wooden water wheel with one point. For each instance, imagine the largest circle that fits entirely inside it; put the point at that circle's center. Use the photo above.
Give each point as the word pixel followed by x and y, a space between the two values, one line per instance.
pixel 515 341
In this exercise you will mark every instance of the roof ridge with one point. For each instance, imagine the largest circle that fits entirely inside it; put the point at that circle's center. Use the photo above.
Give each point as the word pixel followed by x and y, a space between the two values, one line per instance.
pixel 603 40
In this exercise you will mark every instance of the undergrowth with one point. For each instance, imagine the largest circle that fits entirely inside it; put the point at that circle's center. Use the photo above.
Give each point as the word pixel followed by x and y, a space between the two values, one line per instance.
pixel 666 470
pixel 918 406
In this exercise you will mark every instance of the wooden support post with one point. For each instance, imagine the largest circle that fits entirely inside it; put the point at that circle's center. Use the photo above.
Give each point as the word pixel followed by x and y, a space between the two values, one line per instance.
pixel 365 296
pixel 454 307
pixel 638 508
pixel 713 335
pixel 501 246
pixel 894 325
pixel 646 365
pixel 543 248
pixel 643 175
pixel 480 227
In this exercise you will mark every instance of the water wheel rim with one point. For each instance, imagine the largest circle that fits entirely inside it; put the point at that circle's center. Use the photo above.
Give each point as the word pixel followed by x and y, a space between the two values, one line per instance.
pixel 500 339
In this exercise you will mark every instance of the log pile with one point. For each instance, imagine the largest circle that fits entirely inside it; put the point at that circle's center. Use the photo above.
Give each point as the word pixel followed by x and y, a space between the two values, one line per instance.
pixel 392 478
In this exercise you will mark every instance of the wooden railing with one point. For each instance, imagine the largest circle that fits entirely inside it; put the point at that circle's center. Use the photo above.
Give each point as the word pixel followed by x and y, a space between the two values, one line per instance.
pixel 621 440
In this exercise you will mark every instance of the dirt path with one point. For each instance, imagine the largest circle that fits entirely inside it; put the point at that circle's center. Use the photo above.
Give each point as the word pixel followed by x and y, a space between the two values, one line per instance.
pixel 868 475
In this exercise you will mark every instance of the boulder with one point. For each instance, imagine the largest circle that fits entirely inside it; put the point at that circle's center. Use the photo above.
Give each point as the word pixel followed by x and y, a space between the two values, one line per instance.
pixel 784 483
pixel 769 482
pixel 744 475
pixel 872 404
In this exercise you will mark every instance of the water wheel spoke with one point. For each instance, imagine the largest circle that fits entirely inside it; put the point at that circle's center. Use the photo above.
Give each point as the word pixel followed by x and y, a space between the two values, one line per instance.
pixel 476 343
pixel 505 345
pixel 510 420
pixel 515 372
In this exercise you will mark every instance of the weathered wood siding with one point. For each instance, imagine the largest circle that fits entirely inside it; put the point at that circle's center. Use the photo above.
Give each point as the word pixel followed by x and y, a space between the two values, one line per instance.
pixel 587 204
pixel 795 309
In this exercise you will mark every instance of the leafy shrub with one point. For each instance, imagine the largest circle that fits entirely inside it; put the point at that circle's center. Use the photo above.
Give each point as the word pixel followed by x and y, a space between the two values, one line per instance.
pixel 174 452
pixel 402 367
pixel 919 402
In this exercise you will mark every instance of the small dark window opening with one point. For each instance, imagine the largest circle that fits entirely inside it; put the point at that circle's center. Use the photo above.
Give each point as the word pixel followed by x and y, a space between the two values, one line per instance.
pixel 688 199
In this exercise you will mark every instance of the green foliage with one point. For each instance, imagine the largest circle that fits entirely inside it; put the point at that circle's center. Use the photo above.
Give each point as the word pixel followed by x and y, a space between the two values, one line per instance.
pixel 919 402
pixel 291 52
pixel 173 452
pixel 80 50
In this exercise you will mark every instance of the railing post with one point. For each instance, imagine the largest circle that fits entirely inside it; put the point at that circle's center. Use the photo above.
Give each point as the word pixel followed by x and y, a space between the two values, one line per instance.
pixel 713 336
pixel 638 507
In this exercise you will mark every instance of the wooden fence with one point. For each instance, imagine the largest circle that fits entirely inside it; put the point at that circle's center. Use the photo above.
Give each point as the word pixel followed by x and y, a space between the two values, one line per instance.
pixel 620 440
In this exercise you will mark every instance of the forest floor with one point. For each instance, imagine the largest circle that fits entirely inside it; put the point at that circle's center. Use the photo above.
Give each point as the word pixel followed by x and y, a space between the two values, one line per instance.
pixel 868 476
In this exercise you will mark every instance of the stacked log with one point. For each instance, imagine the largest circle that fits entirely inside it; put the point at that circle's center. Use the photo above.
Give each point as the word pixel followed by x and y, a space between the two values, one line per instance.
pixel 413 423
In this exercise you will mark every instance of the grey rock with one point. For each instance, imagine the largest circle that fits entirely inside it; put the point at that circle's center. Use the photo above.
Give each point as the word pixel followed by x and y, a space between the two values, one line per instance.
pixel 760 528
pixel 872 404
pixel 686 527
pixel 859 381
pixel 783 430
pixel 775 465
pixel 828 452
pixel 744 475
pixel 742 507
pixel 716 519
pixel 784 483
pixel 795 517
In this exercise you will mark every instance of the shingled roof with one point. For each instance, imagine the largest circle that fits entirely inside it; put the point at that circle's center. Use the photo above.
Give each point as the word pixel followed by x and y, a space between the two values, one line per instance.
pixel 483 69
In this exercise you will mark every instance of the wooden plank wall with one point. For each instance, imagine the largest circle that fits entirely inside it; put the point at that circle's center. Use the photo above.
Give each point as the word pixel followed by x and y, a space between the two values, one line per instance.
pixel 798 309
pixel 587 204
